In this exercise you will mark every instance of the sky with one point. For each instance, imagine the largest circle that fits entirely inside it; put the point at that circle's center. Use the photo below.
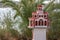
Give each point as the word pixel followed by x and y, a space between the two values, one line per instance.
pixel 4 11
pixel 15 0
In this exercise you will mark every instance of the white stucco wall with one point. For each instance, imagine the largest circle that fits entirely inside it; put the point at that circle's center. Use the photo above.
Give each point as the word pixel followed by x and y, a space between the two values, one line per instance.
pixel 39 34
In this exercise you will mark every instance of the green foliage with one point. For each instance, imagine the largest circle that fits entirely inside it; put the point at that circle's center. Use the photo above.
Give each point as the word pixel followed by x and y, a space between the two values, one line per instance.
pixel 25 10
pixel 50 6
pixel 26 7
pixel 8 25
pixel 55 26
pixel 55 23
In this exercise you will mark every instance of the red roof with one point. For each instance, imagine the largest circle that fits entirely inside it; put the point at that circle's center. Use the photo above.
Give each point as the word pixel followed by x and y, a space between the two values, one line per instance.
pixel 45 12
pixel 33 12
pixel 39 6
pixel 32 18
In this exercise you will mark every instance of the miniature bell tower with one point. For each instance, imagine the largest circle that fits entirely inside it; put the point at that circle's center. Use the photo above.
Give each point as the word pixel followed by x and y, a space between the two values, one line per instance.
pixel 39 22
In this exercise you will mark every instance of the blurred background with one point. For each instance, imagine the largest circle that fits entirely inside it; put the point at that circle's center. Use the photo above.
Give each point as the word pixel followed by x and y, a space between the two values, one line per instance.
pixel 14 16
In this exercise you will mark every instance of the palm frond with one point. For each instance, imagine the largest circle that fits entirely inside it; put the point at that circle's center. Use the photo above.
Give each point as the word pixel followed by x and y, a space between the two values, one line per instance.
pixel 14 6
pixel 57 6
pixel 51 4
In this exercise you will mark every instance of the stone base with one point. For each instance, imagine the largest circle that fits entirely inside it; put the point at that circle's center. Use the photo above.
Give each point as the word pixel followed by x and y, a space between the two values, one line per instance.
pixel 39 34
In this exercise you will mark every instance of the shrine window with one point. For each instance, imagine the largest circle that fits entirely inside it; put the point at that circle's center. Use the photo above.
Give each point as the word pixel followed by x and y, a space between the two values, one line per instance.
pixel 41 22
pixel 35 23
pixel 45 23
pixel 33 15
pixel 40 15
pixel 45 16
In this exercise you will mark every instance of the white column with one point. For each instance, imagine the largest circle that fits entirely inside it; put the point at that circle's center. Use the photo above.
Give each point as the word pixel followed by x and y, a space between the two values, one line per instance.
pixel 39 34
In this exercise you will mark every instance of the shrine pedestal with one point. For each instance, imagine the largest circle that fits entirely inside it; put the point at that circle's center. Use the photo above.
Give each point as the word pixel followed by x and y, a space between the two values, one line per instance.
pixel 39 34
pixel 39 23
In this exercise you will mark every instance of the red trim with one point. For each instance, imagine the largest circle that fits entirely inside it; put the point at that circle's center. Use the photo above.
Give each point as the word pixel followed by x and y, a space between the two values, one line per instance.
pixel 33 18
pixel 39 6
pixel 45 12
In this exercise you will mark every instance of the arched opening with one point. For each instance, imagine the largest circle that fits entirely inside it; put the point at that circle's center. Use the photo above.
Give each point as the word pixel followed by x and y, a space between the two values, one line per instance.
pixel 40 22
pixel 45 16
pixel 35 23
pixel 45 23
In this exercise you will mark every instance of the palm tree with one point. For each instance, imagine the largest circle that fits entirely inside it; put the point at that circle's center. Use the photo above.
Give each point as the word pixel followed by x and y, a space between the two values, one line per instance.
pixel 8 23
pixel 24 10
pixel 55 22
